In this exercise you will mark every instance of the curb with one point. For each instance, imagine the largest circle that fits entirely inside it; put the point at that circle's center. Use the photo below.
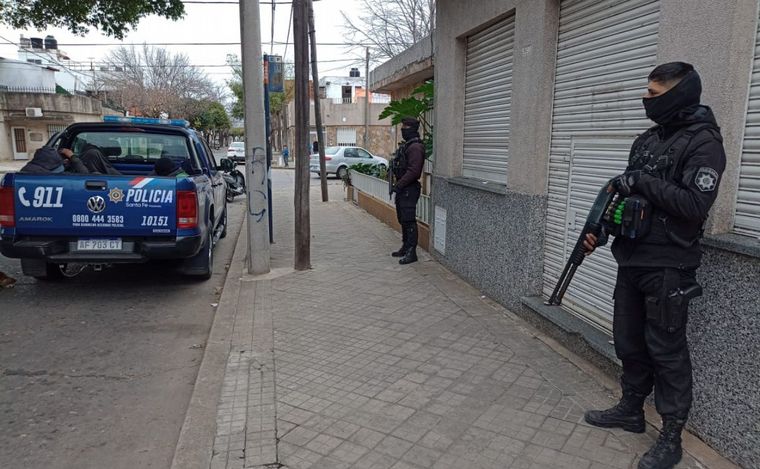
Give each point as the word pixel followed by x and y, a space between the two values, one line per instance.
pixel 196 438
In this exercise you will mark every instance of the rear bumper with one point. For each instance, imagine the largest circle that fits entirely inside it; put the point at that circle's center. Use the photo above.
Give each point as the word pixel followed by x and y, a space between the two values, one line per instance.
pixel 134 250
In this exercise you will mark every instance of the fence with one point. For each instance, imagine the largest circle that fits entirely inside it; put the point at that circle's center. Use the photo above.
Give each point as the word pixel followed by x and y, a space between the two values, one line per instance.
pixel 378 189
pixel 26 89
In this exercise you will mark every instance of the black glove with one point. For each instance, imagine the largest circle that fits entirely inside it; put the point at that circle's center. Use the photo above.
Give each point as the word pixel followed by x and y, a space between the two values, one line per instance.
pixel 624 183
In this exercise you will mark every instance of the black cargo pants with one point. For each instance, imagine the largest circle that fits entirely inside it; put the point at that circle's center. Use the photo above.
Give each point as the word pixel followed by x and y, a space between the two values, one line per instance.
pixel 649 328
pixel 406 213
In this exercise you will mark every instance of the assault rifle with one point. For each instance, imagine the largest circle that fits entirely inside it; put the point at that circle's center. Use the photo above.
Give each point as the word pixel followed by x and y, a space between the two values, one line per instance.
pixel 391 176
pixel 593 225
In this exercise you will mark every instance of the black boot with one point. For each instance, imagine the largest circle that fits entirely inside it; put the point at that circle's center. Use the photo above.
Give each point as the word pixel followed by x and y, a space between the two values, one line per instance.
pixel 666 451
pixel 409 257
pixel 627 414
pixel 404 243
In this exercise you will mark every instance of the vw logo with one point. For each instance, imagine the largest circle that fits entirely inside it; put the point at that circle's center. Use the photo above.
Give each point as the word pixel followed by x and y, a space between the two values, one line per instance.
pixel 96 204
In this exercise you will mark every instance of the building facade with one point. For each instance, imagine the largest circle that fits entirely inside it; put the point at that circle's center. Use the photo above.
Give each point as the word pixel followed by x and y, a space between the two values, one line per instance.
pixel 537 105
pixel 343 102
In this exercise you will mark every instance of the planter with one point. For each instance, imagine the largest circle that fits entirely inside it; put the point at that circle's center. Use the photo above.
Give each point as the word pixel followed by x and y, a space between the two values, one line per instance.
pixel 378 189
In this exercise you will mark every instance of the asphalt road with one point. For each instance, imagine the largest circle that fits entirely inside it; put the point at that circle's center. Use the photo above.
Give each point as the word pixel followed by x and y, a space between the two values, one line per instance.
pixel 97 371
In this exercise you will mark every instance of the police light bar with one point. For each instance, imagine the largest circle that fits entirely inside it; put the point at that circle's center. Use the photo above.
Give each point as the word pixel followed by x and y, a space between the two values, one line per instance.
pixel 147 120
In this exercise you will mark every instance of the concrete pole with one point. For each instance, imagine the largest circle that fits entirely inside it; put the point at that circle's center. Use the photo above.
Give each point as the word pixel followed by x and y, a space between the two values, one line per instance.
pixel 255 138
pixel 317 104
pixel 366 102
pixel 302 147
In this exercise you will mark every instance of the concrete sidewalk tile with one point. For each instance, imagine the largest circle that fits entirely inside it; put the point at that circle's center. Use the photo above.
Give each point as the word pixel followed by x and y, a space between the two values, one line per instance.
pixel 362 363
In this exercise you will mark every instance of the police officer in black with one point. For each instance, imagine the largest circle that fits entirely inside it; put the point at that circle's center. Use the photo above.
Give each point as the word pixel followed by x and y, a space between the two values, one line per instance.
pixel 407 169
pixel 675 167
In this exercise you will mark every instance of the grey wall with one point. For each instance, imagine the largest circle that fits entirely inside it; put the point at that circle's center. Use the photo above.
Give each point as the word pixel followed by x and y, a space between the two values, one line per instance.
pixel 724 333
pixel 719 39
pixel 532 85
pixel 503 255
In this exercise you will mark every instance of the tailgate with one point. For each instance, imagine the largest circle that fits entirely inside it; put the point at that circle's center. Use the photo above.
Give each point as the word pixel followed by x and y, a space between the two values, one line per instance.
pixel 95 205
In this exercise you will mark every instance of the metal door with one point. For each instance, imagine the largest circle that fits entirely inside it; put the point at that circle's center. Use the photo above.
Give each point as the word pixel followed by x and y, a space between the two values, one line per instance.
pixel 605 51
pixel 487 102
pixel 20 151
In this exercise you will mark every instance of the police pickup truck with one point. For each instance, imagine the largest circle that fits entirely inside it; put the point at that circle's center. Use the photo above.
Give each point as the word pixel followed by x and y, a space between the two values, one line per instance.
pixel 51 221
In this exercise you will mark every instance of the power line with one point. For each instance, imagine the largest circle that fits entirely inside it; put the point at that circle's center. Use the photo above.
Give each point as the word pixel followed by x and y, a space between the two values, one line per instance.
pixel 287 38
pixel 279 43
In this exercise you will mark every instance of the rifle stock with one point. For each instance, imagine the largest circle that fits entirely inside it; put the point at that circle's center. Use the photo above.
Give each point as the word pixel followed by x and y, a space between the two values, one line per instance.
pixel 593 225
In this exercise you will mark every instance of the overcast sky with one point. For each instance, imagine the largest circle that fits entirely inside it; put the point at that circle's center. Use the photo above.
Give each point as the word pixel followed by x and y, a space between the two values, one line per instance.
pixel 215 23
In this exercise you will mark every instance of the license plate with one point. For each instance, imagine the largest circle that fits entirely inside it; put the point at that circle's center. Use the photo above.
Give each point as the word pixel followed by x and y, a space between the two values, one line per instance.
pixel 315 168
pixel 99 244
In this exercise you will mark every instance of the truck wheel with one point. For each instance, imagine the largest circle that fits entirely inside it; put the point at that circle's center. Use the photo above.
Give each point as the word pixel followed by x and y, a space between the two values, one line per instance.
pixel 52 273
pixel 224 224
pixel 201 265
pixel 41 270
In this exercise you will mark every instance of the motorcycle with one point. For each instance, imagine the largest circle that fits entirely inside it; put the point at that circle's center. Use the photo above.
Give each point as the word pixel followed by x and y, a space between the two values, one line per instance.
pixel 233 178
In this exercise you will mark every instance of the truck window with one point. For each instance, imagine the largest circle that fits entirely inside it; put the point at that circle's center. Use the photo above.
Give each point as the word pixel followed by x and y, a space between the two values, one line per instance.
pixel 137 148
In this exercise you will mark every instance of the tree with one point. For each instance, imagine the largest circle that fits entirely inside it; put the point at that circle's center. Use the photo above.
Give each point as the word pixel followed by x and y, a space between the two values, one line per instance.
pixel 277 101
pixel 418 106
pixel 390 26
pixel 152 80
pixel 111 18
pixel 212 120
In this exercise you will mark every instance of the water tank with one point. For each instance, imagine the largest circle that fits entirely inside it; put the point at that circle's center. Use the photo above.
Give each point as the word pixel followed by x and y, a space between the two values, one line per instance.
pixel 36 43
pixel 25 42
pixel 51 42
pixel 354 72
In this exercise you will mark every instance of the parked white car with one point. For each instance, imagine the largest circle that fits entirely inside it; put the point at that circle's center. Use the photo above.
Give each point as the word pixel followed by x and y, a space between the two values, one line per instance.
pixel 236 151
pixel 339 159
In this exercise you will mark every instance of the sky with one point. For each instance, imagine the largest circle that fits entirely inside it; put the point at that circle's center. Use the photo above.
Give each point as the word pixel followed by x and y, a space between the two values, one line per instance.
pixel 207 23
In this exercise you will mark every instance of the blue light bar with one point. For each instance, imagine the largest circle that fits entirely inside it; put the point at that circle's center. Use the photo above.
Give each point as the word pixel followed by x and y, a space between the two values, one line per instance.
pixel 147 121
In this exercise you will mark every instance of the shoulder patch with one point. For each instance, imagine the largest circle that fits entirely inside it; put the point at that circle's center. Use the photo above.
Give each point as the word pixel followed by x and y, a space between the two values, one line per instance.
pixel 706 179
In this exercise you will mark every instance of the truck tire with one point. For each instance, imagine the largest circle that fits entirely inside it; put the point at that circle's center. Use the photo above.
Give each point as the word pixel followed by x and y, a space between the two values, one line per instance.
pixel 201 265
pixel 41 270
pixel 224 224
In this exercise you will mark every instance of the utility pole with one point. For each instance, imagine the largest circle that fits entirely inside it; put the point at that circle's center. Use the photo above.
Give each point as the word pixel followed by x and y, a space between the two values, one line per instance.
pixel 268 131
pixel 302 222
pixel 366 102
pixel 317 104
pixel 255 138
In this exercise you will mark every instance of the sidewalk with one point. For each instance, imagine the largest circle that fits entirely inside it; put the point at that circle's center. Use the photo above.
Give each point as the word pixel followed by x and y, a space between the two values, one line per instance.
pixel 362 363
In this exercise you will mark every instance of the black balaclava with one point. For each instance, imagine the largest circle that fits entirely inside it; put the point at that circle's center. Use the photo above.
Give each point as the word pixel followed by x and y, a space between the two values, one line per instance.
pixel 412 128
pixel 664 109
pixel 408 134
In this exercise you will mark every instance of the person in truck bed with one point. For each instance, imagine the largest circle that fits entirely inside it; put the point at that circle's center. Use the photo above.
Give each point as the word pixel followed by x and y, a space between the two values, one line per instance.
pixel 168 167
pixel 47 160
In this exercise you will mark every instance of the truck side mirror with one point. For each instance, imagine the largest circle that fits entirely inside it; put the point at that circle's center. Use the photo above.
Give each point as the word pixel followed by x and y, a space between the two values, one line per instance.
pixel 226 165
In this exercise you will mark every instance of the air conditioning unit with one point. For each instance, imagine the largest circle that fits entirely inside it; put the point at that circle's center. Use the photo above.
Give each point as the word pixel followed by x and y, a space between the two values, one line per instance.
pixel 33 112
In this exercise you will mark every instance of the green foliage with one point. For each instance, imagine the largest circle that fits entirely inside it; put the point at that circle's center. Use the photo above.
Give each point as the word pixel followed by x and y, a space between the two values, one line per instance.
pixel 418 106
pixel 109 17
pixel 210 117
pixel 378 171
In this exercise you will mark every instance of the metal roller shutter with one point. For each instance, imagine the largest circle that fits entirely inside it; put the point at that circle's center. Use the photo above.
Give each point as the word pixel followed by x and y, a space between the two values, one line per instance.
pixel 747 218
pixel 487 102
pixel 346 136
pixel 605 51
